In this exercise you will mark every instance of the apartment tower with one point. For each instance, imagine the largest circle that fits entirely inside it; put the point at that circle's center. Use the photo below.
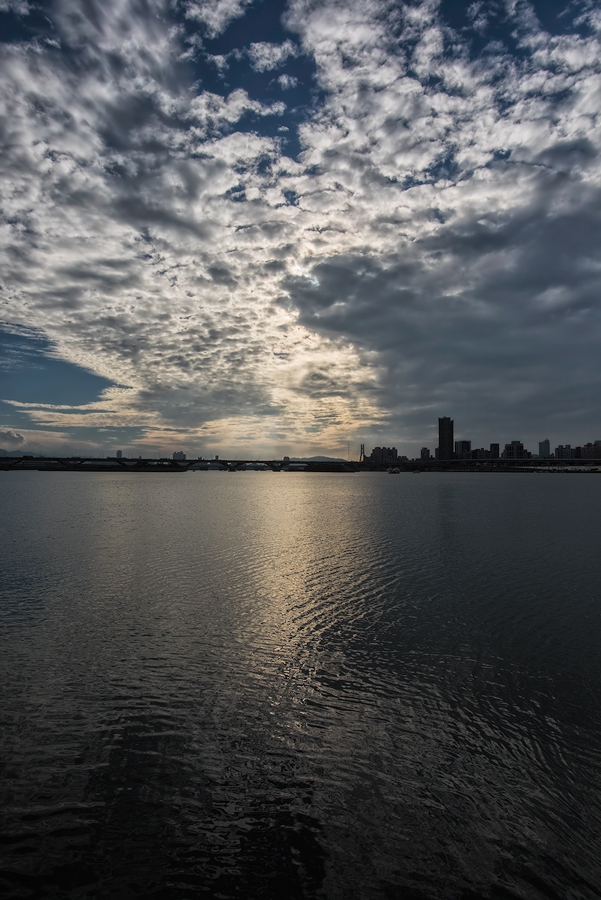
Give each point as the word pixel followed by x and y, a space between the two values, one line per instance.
pixel 445 438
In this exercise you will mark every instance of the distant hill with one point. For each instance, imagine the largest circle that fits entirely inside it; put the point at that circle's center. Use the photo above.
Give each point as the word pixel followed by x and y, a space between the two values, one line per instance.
pixel 316 459
pixel 20 453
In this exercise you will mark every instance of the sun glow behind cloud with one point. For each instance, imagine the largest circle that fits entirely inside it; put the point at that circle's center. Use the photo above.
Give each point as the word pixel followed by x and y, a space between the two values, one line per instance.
pixel 433 247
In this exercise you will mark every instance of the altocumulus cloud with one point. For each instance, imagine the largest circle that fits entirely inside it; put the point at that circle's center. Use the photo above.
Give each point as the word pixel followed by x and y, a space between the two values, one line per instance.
pixel 366 215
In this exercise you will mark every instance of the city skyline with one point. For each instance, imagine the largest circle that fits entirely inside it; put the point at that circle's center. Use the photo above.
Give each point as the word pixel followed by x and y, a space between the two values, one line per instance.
pixel 461 450
pixel 283 228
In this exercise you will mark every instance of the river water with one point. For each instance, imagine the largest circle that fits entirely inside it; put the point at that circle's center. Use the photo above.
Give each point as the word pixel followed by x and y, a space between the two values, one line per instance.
pixel 310 686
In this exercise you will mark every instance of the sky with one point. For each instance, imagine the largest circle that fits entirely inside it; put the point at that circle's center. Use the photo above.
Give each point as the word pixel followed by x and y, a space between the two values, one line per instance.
pixel 260 228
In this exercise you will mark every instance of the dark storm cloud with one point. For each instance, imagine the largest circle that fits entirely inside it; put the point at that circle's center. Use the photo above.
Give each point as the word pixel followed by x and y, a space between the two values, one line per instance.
pixel 502 317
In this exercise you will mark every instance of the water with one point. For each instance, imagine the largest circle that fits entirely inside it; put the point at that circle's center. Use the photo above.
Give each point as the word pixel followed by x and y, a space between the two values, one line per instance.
pixel 302 686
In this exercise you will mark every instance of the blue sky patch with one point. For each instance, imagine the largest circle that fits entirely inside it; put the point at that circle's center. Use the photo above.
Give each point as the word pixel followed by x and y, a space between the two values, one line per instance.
pixel 29 374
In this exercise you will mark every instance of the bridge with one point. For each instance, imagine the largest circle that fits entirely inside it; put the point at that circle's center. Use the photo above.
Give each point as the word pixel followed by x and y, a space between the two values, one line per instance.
pixel 157 466
pixel 172 466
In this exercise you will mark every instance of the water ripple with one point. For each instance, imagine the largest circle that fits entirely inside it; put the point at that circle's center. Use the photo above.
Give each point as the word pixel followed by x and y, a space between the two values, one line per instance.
pixel 310 686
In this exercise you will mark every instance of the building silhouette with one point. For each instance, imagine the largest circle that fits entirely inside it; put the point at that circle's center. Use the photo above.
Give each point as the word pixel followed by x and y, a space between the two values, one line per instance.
pixel 384 456
pixel 591 450
pixel 563 451
pixel 463 449
pixel 449 450
pixel 515 450
pixel 179 455
pixel 445 438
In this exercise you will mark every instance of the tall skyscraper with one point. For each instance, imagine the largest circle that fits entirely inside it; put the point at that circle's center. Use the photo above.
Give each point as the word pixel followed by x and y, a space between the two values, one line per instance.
pixel 544 449
pixel 445 438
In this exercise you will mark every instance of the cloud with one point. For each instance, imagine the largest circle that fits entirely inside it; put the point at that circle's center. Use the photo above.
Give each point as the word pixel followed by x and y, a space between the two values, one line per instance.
pixel 215 15
pixel 432 249
pixel 19 7
pixel 287 81
pixel 458 207
pixel 265 56
pixel 11 438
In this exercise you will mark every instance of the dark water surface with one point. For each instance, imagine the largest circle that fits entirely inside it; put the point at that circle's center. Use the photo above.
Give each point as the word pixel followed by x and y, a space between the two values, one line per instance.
pixel 309 686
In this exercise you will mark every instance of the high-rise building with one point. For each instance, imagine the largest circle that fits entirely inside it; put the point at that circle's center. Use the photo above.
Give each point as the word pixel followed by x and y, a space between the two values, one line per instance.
pixel 563 451
pixel 425 453
pixel 384 456
pixel 494 451
pixel 445 438
pixel 179 454
pixel 119 454
pixel 544 449
pixel 463 449
pixel 591 450
pixel 515 450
